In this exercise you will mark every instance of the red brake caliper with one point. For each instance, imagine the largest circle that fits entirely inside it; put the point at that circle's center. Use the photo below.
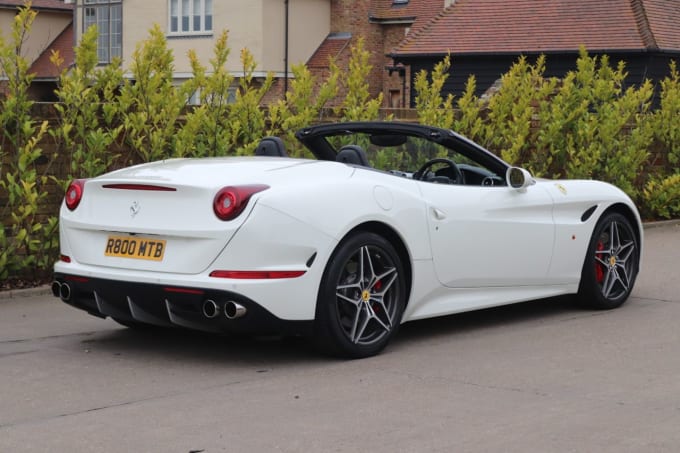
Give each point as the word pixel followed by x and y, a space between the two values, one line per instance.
pixel 376 287
pixel 599 268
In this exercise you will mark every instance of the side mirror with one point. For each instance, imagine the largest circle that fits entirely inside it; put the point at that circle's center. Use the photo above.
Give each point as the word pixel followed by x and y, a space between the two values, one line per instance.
pixel 519 178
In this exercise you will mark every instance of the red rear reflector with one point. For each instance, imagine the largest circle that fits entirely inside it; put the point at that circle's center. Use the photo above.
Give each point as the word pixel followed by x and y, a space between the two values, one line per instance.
pixel 139 187
pixel 73 278
pixel 183 290
pixel 257 275
pixel 64 258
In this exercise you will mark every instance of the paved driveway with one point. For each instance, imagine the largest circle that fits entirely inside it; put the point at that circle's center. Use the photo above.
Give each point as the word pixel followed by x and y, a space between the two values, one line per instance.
pixel 535 377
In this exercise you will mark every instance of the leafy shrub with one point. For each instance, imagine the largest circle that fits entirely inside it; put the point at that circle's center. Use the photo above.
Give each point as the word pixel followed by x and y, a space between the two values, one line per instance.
pixel 666 119
pixel 432 108
pixel 87 111
pixel 593 128
pixel 357 104
pixel 583 126
pixel 302 106
pixel 247 120
pixel 206 130
pixel 27 241
pixel 662 196
pixel 150 104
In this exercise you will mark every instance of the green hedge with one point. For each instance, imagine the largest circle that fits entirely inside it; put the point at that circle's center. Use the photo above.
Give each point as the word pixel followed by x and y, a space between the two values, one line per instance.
pixel 585 125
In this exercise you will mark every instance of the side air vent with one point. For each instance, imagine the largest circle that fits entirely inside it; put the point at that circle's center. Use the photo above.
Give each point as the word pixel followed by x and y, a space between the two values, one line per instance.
pixel 586 215
pixel 311 259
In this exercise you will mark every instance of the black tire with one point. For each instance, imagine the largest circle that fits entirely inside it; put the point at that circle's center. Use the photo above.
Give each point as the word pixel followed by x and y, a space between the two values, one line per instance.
pixel 611 264
pixel 359 306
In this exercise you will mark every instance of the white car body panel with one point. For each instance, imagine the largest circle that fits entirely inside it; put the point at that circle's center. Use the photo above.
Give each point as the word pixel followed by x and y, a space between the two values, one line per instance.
pixel 470 226
pixel 285 237
pixel 467 247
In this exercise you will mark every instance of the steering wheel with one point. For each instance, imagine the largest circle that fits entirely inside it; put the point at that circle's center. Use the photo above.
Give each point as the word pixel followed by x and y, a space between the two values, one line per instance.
pixel 423 171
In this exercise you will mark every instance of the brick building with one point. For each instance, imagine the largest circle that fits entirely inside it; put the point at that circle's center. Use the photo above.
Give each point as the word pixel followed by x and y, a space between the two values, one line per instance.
pixel 383 25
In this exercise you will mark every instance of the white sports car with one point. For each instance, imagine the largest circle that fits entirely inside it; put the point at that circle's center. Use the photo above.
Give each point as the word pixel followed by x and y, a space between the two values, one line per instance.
pixel 334 248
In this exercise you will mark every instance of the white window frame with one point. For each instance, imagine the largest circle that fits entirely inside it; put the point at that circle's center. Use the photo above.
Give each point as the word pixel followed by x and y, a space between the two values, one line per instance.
pixel 107 15
pixel 190 17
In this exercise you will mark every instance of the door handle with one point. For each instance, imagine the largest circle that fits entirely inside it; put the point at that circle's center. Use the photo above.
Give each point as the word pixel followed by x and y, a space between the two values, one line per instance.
pixel 438 214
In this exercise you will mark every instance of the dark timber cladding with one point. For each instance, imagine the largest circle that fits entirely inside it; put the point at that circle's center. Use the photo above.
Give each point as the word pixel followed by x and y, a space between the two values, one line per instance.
pixel 487 69
pixel 485 37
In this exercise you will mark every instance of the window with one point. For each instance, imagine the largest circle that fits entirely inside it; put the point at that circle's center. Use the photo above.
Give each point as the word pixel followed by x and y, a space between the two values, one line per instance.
pixel 107 15
pixel 191 17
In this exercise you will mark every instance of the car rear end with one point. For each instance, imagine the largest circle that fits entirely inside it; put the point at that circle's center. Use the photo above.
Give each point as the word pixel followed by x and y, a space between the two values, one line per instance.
pixel 183 243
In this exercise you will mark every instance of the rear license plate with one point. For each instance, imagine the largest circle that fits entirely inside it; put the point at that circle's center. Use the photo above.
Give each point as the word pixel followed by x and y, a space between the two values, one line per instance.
pixel 135 247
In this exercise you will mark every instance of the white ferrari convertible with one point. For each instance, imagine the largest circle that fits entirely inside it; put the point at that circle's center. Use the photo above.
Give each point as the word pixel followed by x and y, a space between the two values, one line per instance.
pixel 334 248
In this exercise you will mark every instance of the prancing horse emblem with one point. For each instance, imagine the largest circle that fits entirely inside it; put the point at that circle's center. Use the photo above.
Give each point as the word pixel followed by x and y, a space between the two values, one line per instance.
pixel 134 209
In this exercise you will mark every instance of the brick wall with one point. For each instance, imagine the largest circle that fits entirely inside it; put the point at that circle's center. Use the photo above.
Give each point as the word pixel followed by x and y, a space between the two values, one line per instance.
pixel 352 16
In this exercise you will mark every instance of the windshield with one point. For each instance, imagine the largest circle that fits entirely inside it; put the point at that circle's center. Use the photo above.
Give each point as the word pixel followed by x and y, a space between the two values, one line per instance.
pixel 404 155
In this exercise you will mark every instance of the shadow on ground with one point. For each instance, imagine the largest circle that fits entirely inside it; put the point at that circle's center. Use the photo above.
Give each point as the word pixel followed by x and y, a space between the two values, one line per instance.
pixel 189 346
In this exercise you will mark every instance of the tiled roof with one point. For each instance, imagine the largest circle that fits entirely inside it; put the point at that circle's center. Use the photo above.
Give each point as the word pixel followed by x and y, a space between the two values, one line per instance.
pixel 330 48
pixel 417 13
pixel 43 68
pixel 502 26
pixel 664 21
pixel 385 10
pixel 57 5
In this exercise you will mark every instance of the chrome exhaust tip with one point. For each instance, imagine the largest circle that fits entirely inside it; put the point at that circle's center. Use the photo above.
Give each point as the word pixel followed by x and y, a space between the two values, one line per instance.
pixel 210 309
pixel 56 288
pixel 65 292
pixel 232 310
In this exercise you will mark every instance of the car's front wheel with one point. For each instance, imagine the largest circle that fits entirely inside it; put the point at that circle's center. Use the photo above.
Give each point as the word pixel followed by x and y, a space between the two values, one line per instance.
pixel 361 297
pixel 611 263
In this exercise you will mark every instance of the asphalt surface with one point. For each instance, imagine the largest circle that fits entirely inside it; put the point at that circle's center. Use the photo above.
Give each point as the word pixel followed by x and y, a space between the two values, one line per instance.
pixel 535 377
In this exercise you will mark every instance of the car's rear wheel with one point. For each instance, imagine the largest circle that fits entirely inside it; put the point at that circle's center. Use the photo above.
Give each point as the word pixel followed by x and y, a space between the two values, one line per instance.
pixel 361 297
pixel 611 263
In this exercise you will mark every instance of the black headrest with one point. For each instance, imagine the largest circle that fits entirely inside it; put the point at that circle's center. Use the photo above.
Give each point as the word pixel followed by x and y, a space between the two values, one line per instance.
pixel 352 154
pixel 271 146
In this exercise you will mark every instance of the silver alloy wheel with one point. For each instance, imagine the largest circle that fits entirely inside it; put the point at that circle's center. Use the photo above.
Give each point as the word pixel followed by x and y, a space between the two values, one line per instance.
pixel 366 298
pixel 615 260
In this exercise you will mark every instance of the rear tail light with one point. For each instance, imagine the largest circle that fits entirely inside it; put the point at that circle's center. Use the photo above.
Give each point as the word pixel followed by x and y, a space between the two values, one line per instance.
pixel 150 187
pixel 231 201
pixel 74 194
pixel 256 275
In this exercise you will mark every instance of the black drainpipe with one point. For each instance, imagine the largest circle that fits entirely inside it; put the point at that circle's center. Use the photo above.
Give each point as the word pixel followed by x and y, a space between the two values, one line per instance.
pixel 285 55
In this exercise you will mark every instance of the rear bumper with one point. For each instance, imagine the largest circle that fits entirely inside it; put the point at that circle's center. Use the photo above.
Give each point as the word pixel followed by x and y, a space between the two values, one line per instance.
pixel 173 306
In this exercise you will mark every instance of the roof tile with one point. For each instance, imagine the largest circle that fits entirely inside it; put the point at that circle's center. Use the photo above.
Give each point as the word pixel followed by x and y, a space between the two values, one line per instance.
pixel 43 68
pixel 330 48
pixel 500 26
pixel 39 4
pixel 419 9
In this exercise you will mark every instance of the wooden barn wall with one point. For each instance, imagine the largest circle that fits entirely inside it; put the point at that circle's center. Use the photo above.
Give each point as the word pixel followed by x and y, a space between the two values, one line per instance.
pixel 488 69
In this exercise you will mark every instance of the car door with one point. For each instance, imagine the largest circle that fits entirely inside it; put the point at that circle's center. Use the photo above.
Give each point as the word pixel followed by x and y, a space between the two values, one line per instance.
pixel 489 236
